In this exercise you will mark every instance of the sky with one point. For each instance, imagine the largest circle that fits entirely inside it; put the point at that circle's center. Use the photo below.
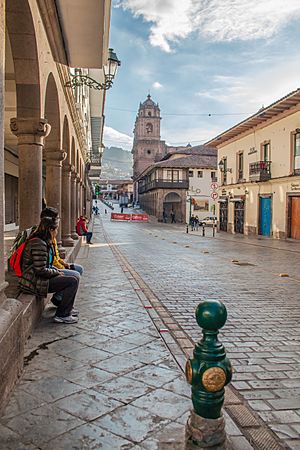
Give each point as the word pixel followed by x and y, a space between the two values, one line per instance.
pixel 209 64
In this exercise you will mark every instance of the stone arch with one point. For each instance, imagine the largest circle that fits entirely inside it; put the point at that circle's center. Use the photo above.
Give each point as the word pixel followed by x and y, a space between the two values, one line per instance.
pixel 23 43
pixel 52 114
pixel 173 201
pixel 66 141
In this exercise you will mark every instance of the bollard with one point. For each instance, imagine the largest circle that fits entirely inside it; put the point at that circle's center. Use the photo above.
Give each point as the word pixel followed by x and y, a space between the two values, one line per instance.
pixel 214 230
pixel 187 228
pixel 203 230
pixel 208 372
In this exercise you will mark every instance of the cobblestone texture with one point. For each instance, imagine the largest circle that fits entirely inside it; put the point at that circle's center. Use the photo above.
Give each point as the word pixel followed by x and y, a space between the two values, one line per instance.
pixel 262 334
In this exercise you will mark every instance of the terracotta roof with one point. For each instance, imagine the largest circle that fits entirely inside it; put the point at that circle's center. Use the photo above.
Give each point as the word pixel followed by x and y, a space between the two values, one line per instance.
pixel 284 104
pixel 196 150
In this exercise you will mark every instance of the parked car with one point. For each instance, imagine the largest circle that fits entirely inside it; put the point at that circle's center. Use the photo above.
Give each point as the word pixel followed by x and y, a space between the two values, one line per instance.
pixel 208 221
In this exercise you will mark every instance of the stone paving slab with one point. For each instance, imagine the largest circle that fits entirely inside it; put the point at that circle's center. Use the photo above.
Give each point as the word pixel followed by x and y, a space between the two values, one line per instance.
pixel 108 382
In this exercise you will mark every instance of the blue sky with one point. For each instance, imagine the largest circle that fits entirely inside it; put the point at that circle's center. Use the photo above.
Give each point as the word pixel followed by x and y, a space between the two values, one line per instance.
pixel 225 58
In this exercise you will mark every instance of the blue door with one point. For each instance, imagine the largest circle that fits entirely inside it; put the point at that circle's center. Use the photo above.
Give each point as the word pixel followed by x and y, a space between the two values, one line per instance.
pixel 265 208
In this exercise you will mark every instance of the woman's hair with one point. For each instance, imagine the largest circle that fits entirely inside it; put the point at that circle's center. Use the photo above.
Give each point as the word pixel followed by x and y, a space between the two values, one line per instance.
pixel 50 212
pixel 46 225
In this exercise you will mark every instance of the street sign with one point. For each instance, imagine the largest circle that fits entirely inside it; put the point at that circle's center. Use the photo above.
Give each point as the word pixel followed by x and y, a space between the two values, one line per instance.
pixel 214 186
pixel 214 195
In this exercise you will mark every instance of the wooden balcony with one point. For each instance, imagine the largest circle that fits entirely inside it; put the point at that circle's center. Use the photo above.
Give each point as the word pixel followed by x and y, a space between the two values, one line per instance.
pixel 163 184
pixel 260 171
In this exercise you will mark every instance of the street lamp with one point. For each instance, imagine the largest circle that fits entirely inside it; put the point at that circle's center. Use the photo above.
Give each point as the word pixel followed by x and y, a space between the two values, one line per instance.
pixel 110 70
pixel 222 166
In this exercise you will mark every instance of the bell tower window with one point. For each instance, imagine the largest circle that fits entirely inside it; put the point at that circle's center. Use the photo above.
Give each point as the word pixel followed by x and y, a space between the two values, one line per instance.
pixel 149 128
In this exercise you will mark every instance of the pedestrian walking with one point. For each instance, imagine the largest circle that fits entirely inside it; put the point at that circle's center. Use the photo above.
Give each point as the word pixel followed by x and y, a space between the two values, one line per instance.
pixel 192 221
pixel 165 216
pixel 196 223
pixel 173 217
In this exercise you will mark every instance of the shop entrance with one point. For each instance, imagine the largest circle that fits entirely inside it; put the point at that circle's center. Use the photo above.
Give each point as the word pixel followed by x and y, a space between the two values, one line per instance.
pixel 239 215
pixel 294 217
pixel 265 210
pixel 223 215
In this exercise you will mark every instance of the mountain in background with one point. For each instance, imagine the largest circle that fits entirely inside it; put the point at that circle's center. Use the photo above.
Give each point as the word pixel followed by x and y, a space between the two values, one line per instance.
pixel 116 163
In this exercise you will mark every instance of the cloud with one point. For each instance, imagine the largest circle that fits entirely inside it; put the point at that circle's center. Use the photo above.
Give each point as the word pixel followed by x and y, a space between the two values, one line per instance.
pixel 157 85
pixel 114 138
pixel 216 20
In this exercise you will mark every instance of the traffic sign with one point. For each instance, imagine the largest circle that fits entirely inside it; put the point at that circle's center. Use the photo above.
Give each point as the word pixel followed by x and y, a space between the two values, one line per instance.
pixel 214 195
pixel 214 186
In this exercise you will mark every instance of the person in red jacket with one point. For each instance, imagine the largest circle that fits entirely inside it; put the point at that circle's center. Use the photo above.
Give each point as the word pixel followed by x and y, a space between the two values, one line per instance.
pixel 82 230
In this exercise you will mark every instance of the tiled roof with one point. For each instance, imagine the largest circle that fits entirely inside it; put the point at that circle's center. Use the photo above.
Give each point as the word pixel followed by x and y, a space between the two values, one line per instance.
pixel 190 161
pixel 197 150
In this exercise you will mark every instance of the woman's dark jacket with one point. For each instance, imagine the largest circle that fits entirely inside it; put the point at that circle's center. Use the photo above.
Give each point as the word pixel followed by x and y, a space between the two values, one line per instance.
pixel 35 268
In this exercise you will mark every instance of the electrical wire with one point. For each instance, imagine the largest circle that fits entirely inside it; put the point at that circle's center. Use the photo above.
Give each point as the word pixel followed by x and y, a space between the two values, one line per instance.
pixel 187 114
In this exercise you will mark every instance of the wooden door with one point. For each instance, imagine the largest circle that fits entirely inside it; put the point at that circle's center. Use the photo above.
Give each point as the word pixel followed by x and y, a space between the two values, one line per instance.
pixel 295 218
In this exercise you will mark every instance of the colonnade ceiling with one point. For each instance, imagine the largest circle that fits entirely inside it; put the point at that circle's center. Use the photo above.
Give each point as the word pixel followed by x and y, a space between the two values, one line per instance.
pixel 52 142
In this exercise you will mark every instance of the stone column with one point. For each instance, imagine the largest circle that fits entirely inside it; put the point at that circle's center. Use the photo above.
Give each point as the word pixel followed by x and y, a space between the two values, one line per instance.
pixel 74 216
pixel 78 197
pixel 83 200
pixel 66 205
pixel 54 159
pixel 2 76
pixel 30 133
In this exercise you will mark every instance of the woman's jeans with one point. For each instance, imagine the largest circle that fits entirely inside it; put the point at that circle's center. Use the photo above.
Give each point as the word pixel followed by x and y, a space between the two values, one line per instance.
pixel 76 272
pixel 88 235
pixel 67 286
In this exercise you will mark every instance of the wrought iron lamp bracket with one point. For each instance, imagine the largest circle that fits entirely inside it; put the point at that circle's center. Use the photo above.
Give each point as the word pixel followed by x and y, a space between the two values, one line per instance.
pixel 80 80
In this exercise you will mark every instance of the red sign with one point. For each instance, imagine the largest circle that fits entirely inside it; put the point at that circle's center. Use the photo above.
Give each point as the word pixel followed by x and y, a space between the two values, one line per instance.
pixel 117 216
pixel 139 217
pixel 214 195
pixel 214 186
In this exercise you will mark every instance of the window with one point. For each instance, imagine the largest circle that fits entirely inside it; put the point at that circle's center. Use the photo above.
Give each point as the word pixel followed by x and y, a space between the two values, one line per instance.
pixel 149 128
pixel 191 173
pixel 213 176
pixel 175 175
pixel 266 150
pixel 224 170
pixel 200 173
pixel 240 166
pixel 297 151
pixel 149 113
pixel 149 152
pixel 169 175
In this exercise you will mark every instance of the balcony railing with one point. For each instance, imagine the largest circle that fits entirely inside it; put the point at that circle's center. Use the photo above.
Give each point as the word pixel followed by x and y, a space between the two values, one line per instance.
pixel 260 171
pixel 95 160
pixel 163 184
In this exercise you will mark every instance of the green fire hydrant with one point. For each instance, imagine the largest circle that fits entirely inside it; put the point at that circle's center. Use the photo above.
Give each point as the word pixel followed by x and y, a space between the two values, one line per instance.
pixel 209 371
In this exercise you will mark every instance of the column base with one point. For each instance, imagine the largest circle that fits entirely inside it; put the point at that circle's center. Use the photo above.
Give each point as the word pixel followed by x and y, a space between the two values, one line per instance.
pixel 68 241
pixel 75 236
pixel 201 433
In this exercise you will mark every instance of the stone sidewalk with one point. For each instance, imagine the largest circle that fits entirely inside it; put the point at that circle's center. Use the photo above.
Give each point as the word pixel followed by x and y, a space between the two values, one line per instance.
pixel 108 382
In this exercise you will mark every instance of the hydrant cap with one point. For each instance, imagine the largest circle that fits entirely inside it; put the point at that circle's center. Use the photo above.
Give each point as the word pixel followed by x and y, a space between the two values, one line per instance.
pixel 211 315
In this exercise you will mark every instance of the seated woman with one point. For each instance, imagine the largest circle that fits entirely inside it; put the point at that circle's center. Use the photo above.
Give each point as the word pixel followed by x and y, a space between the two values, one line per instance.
pixel 40 278
pixel 82 230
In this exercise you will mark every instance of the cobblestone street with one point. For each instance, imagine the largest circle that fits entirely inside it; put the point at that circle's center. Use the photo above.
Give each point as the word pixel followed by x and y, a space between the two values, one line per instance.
pixel 262 332
pixel 112 381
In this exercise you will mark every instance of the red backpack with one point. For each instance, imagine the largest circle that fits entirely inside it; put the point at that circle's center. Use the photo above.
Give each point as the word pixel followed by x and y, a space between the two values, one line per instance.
pixel 15 261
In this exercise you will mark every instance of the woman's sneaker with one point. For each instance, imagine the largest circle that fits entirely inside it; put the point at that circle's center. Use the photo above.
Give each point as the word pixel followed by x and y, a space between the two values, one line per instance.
pixel 67 319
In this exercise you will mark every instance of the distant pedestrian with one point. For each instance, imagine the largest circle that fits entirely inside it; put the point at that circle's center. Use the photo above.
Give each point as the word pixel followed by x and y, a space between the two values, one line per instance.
pixel 173 218
pixel 122 209
pixel 105 211
pixel 192 222
pixel 165 216
pixel 196 223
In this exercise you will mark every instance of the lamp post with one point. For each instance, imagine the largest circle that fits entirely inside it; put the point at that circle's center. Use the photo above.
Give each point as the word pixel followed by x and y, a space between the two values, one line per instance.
pixel 109 70
pixel 190 200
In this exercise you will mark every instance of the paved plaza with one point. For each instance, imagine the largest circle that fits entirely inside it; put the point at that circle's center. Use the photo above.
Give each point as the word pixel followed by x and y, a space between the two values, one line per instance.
pixel 115 379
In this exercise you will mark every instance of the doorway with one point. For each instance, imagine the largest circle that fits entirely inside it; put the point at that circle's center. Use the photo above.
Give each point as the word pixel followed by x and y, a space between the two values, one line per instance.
pixel 223 215
pixel 239 214
pixel 294 217
pixel 265 214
